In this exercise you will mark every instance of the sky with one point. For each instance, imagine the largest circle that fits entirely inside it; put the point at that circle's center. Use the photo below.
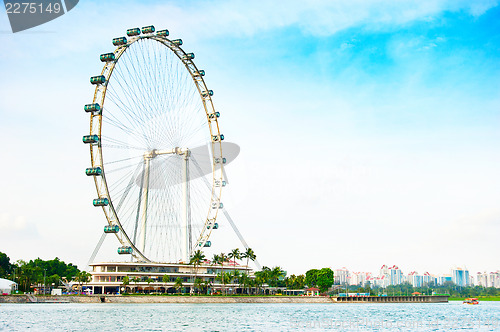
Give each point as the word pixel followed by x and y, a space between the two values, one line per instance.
pixel 369 130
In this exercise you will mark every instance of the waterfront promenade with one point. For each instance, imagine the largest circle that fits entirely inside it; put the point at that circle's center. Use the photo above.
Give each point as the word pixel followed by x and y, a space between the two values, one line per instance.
pixel 220 299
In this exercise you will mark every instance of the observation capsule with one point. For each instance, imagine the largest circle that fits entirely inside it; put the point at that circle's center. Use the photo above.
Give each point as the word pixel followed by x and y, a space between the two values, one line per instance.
pixel 107 57
pixel 207 244
pixel 125 250
pixel 163 33
pixel 133 32
pixel 177 42
pixel 148 29
pixel 207 93
pixel 100 202
pixel 215 226
pixel 93 171
pixel 119 41
pixel 219 183
pixel 199 73
pixel 217 138
pixel 214 115
pixel 111 229
pixel 218 160
pixel 90 139
pixel 215 205
pixel 98 79
pixel 188 56
pixel 92 108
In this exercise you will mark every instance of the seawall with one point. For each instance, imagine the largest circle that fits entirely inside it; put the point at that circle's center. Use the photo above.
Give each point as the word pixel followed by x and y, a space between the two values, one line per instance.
pixel 218 299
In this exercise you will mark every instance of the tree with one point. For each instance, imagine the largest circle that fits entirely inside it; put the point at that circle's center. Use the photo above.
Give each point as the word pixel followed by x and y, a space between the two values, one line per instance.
pixel 149 280
pixel 126 282
pixel 83 277
pixel 311 277
pixel 178 284
pixel 223 259
pixel 6 267
pixel 234 254
pixel 249 254
pixel 136 280
pixel 198 282
pixel 197 258
pixel 275 275
pixel 324 279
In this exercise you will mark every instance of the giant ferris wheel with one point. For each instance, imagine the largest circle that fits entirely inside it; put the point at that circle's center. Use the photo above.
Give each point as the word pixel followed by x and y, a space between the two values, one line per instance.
pixel 155 148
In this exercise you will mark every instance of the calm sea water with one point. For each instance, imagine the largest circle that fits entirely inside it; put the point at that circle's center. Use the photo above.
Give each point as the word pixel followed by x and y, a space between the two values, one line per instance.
pixel 250 317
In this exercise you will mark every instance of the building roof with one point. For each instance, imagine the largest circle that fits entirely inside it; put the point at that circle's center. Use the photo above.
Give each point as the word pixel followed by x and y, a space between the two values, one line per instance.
pixel 313 289
pixel 4 283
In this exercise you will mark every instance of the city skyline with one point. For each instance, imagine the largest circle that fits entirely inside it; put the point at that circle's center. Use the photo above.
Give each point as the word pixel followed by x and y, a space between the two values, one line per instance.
pixel 368 129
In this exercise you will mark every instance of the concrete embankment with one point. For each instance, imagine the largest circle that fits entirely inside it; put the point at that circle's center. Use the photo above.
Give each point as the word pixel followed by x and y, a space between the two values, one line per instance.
pixel 218 299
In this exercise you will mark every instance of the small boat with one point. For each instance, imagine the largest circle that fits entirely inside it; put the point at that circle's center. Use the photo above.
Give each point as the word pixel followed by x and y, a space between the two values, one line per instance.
pixel 471 300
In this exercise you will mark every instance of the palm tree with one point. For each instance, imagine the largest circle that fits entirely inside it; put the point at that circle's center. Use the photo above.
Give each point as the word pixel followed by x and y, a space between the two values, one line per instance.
pixel 234 254
pixel 197 258
pixel 178 283
pixel 126 282
pixel 198 282
pixel 136 280
pixel 275 274
pixel 223 259
pixel 165 278
pixel 249 254
pixel 149 280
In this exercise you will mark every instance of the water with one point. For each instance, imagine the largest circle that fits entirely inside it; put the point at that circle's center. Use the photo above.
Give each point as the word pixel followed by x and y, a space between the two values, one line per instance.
pixel 250 317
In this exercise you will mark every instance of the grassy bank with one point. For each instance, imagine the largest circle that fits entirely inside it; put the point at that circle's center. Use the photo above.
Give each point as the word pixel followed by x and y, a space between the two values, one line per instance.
pixel 480 298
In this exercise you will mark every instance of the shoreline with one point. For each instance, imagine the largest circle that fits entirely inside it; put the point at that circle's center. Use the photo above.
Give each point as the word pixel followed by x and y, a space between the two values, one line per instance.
pixel 216 299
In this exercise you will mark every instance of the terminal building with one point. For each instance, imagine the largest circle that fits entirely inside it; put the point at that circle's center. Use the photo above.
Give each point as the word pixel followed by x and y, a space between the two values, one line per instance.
pixel 108 278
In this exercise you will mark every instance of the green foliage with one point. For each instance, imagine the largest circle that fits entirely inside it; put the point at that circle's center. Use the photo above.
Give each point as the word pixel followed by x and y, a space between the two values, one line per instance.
pixel 5 266
pixel 295 282
pixel 33 272
pixel 324 279
pixel 311 277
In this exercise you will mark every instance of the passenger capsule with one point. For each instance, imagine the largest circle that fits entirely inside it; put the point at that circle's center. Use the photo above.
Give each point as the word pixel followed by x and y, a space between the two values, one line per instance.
pixel 207 244
pixel 111 229
pixel 214 226
pixel 215 205
pixel 177 42
pixel 207 93
pixel 189 56
pixel 133 32
pixel 97 79
pixel 218 160
pixel 163 33
pixel 100 202
pixel 125 250
pixel 214 115
pixel 148 29
pixel 90 139
pixel 219 183
pixel 119 41
pixel 217 138
pixel 93 171
pixel 199 73
pixel 107 57
pixel 92 108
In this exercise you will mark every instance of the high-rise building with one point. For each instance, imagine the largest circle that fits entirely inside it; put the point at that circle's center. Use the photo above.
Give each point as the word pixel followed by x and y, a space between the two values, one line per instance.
pixel 486 279
pixel 341 276
pixel 396 276
pixel 415 279
pixel 443 278
pixel 460 277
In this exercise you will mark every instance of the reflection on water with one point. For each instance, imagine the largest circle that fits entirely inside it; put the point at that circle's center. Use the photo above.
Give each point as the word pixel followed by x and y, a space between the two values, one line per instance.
pixel 250 317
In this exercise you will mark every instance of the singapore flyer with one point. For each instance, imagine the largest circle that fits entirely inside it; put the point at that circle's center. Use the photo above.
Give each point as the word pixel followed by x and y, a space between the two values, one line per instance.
pixel 152 124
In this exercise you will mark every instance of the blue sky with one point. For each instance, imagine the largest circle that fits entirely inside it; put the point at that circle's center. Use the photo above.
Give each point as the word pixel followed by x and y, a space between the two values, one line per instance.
pixel 357 120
